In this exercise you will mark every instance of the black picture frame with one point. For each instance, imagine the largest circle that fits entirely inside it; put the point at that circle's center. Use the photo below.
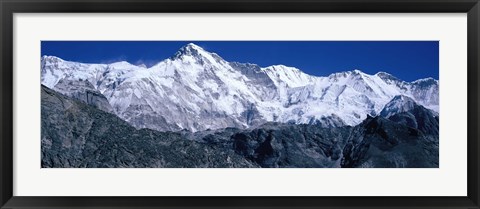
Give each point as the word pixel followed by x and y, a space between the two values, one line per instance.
pixel 9 7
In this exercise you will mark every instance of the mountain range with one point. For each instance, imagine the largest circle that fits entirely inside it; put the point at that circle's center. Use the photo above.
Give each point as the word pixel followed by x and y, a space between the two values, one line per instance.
pixel 196 90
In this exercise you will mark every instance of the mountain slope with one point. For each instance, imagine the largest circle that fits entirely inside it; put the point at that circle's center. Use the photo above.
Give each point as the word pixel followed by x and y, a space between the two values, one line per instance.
pixel 77 135
pixel 379 142
pixel 198 90
pixel 397 105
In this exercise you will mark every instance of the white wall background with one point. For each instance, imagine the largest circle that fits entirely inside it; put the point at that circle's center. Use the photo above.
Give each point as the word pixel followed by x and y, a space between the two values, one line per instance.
pixel 448 180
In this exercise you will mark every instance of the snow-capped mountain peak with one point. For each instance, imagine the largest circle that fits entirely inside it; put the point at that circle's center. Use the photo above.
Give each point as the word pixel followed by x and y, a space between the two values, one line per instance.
pixel 357 71
pixel 190 50
pixel 385 75
pixel 142 65
pixel 51 58
pixel 347 74
pixel 426 81
pixel 198 90
pixel 398 104
pixel 122 65
pixel 192 54
pixel 193 46
pixel 290 77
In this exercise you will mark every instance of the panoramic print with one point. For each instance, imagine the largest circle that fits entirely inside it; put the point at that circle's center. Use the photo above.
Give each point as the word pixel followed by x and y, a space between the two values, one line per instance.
pixel 239 104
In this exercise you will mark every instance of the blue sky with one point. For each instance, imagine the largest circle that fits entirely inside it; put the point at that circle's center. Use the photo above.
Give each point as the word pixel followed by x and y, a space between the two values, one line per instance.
pixel 407 60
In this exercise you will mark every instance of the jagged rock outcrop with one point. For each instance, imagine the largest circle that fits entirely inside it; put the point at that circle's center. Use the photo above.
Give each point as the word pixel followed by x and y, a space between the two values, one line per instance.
pixel 381 143
pixel 84 91
pixel 302 146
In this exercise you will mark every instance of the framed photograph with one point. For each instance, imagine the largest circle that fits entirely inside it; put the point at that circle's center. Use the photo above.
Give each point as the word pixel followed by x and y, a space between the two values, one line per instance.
pixel 239 104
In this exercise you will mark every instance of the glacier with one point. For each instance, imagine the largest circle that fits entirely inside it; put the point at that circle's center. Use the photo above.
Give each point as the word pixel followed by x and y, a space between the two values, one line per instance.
pixel 197 90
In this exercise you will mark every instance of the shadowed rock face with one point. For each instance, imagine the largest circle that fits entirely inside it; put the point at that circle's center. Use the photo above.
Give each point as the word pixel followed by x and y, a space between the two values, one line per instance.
pixel 75 134
pixel 84 91
pixel 419 118
pixel 381 143
pixel 277 145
